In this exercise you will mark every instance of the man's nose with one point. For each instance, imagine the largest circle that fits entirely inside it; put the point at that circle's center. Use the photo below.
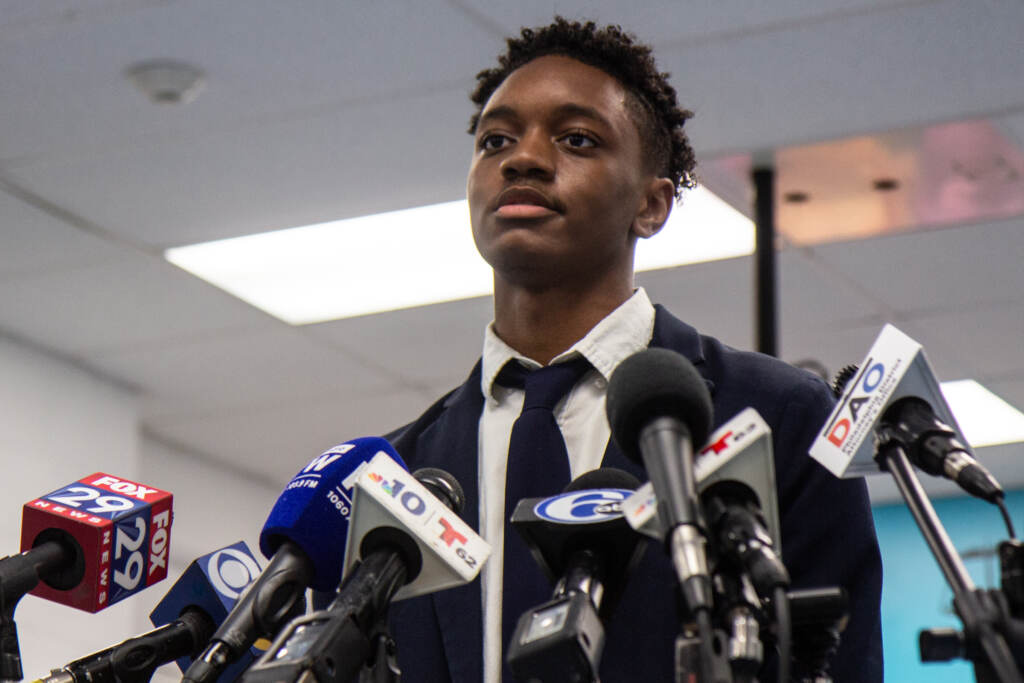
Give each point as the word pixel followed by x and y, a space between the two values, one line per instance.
pixel 532 156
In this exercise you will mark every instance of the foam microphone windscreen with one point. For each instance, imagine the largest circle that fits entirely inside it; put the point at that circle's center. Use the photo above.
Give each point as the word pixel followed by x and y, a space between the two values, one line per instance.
pixel 315 508
pixel 603 478
pixel 656 383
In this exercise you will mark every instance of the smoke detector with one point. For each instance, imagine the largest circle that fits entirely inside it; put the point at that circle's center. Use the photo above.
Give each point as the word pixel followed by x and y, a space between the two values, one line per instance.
pixel 166 81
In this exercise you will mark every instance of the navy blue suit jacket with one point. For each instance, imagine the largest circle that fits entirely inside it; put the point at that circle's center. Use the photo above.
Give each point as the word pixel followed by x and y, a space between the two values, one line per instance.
pixel 828 535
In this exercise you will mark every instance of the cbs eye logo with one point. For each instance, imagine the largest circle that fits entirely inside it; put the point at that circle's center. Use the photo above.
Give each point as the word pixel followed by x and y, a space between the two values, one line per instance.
pixel 583 507
pixel 231 570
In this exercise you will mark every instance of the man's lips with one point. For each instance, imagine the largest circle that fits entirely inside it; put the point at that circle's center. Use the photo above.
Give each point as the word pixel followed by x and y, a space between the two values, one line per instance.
pixel 524 202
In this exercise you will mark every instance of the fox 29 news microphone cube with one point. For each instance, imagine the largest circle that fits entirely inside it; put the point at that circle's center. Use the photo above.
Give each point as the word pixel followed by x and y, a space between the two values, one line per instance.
pixel 123 529
pixel 213 583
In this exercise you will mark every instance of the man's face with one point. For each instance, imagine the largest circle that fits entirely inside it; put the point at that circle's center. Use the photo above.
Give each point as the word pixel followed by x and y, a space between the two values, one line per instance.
pixel 557 177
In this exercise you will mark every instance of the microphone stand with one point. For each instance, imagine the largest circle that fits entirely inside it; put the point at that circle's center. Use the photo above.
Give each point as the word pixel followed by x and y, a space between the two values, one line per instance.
pixel 332 645
pixel 993 660
pixel 818 618
pixel 19 574
pixel 383 665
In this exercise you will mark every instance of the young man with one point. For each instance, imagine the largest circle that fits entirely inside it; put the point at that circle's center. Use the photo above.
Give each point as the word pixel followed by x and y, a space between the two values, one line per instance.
pixel 579 152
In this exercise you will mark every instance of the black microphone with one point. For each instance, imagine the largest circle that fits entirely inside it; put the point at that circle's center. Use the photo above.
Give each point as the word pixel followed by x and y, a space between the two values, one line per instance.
pixel 581 539
pixel 333 644
pixel 135 660
pixel 302 536
pixel 186 619
pixel 894 394
pixel 934 447
pixel 658 408
pixel 737 526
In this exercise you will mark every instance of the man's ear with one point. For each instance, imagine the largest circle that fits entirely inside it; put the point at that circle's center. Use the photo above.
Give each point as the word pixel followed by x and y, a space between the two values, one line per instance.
pixel 654 211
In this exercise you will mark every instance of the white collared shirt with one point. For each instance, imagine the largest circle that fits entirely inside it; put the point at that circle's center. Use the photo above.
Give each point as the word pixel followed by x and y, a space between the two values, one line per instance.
pixel 580 416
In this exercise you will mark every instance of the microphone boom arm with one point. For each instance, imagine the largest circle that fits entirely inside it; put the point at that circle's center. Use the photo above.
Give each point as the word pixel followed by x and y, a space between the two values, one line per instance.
pixel 978 621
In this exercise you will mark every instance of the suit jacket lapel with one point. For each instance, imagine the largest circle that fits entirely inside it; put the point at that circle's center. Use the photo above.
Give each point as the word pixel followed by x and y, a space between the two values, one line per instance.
pixel 669 333
pixel 451 444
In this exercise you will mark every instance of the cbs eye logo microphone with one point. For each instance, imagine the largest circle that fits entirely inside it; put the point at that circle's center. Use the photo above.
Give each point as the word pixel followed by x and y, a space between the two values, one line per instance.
pixel 231 570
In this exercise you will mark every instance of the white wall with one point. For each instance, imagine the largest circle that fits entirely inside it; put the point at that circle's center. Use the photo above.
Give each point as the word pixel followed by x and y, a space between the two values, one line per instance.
pixel 59 423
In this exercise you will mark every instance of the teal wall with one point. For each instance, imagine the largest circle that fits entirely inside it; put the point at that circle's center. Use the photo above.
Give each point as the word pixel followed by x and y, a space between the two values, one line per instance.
pixel 915 595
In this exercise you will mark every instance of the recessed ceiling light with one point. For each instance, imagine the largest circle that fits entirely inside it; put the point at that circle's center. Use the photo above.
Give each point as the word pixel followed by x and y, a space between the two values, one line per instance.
pixel 415 257
pixel 165 81
pixel 984 418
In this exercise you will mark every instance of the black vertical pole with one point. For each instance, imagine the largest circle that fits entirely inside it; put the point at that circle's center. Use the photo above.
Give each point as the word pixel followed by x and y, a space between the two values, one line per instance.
pixel 764 256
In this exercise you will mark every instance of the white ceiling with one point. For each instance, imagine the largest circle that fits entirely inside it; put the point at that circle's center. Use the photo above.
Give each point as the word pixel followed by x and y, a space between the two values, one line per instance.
pixel 328 109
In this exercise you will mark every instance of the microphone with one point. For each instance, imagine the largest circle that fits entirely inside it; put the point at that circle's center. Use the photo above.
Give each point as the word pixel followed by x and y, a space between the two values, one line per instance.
pixel 735 475
pixel 658 407
pixel 105 538
pixel 137 658
pixel 450 552
pixel 91 543
pixel 185 618
pixel 404 541
pixel 895 393
pixel 739 450
pixel 301 536
pixel 581 540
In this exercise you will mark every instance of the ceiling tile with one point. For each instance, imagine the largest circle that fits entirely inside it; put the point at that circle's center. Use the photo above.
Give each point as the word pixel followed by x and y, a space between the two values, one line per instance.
pixel 920 62
pixel 423 345
pixel 21 15
pixel 141 301
pixel 239 371
pixel 989 340
pixel 33 242
pixel 1013 125
pixel 935 271
pixel 832 346
pixel 263 59
pixel 296 172
pixel 276 441
pixel 656 21
pixel 811 297
pixel 1010 388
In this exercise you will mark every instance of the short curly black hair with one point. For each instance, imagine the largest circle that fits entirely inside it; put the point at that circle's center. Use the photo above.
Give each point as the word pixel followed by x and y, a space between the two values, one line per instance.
pixel 653 103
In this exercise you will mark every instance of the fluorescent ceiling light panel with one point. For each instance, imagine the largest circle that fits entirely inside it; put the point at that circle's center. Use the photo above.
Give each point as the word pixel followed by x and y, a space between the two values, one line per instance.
pixel 984 418
pixel 415 257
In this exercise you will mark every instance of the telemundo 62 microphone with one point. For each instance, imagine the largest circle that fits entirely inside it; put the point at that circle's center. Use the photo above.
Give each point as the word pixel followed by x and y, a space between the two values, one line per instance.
pixel 587 549
pixel 406 539
pixel 894 389
pixel 735 475
pixel 88 545
pixel 185 619
pixel 302 536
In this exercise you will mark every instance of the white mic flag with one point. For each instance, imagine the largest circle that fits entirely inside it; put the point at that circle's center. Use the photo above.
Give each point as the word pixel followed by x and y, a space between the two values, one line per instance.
pixel 746 435
pixel 386 495
pixel 895 367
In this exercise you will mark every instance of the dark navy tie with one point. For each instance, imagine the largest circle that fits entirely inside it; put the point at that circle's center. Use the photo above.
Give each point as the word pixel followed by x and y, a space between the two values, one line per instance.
pixel 538 465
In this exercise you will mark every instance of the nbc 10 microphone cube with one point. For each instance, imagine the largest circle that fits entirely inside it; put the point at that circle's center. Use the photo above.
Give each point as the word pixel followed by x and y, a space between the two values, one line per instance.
pixel 122 528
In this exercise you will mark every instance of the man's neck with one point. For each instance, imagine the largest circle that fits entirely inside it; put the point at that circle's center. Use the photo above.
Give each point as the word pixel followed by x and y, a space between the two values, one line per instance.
pixel 540 324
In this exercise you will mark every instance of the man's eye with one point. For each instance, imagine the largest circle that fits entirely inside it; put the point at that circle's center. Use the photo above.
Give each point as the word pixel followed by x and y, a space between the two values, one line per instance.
pixel 579 140
pixel 493 141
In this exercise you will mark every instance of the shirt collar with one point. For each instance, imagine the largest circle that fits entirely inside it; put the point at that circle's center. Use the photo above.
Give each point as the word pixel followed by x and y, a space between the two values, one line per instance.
pixel 620 334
